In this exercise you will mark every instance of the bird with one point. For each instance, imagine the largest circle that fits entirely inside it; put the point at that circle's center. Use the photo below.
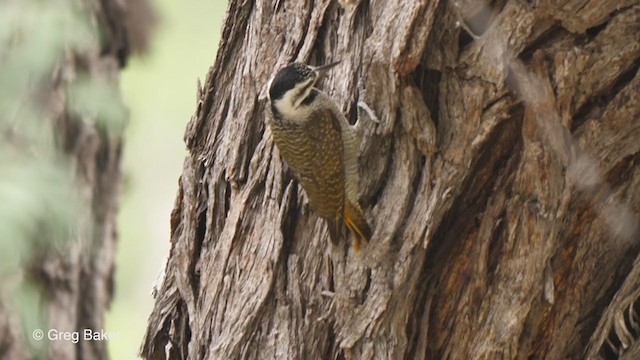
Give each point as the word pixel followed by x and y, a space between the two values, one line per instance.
pixel 320 147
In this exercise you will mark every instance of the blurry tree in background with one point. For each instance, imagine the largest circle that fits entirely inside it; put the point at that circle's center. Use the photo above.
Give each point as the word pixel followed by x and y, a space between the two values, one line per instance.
pixel 502 182
pixel 159 90
pixel 61 123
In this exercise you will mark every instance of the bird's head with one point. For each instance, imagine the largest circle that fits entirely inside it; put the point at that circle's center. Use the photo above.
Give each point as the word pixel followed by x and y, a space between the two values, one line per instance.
pixel 292 86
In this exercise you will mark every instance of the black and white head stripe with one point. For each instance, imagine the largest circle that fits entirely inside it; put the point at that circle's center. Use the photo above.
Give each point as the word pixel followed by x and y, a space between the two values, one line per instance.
pixel 287 78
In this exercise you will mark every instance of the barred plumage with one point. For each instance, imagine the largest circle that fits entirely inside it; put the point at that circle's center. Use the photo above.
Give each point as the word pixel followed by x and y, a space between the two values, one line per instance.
pixel 320 147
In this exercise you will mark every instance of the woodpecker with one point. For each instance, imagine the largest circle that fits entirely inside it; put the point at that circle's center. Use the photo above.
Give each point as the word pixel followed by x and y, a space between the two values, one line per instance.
pixel 320 147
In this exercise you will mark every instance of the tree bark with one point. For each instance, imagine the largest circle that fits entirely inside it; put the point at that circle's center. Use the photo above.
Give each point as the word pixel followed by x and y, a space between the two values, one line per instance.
pixel 502 183
pixel 75 283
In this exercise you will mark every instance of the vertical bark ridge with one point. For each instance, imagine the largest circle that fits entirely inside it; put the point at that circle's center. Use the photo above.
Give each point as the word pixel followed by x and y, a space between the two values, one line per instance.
pixel 485 241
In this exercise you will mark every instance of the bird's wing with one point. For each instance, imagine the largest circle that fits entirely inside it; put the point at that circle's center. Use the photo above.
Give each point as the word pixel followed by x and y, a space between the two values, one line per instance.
pixel 325 185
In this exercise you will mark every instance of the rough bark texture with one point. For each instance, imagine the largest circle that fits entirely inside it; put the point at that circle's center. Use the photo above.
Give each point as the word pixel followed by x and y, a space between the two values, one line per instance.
pixel 502 183
pixel 77 283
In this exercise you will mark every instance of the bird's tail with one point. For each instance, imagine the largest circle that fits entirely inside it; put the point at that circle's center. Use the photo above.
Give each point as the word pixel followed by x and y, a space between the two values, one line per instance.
pixel 357 224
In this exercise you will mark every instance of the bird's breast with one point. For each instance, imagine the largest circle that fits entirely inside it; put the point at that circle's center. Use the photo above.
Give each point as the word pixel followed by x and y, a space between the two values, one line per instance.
pixel 293 144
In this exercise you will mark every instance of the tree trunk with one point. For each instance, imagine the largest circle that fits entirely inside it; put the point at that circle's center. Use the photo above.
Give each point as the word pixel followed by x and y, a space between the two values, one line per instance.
pixel 502 183
pixel 74 280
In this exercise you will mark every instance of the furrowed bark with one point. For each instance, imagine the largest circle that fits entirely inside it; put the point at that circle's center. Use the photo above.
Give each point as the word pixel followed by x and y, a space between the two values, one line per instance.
pixel 501 182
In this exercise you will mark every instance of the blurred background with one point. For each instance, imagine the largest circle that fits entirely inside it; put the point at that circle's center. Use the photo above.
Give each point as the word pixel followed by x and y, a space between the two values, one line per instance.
pixel 160 93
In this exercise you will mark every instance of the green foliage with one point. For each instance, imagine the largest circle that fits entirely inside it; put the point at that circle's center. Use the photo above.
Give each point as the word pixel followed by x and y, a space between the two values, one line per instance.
pixel 95 98
pixel 41 205
pixel 33 38
pixel 38 201
pixel 27 300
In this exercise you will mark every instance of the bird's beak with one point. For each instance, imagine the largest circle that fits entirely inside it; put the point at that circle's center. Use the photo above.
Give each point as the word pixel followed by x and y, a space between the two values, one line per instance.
pixel 322 70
